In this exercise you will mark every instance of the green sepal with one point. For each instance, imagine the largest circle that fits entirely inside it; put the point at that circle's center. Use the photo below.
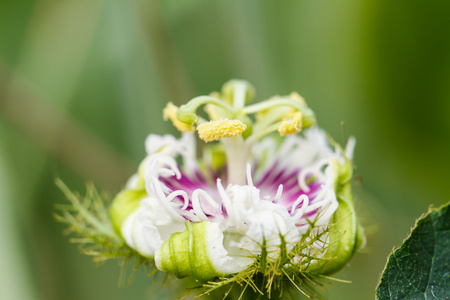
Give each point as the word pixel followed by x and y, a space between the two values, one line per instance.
pixel 186 253
pixel 346 234
pixel 201 266
pixel 174 254
pixel 126 202
pixel 343 238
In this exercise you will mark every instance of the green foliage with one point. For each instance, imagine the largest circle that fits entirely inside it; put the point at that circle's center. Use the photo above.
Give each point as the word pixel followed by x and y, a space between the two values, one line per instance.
pixel 419 269
pixel 89 220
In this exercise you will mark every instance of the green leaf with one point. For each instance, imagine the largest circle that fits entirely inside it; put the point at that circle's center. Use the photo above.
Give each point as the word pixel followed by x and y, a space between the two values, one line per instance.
pixel 420 268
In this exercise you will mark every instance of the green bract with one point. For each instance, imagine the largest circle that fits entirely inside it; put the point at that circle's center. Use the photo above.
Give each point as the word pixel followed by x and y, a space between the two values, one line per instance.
pixel 126 202
pixel 347 235
pixel 189 253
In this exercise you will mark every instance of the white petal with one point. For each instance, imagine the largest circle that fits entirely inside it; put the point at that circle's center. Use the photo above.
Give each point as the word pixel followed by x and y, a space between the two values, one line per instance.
pixel 157 143
pixel 127 226
pixel 148 238
pixel 226 258
pixel 148 227
pixel 268 224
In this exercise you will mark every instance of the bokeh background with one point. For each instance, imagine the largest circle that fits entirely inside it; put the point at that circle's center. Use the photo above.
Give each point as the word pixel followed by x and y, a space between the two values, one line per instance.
pixel 82 82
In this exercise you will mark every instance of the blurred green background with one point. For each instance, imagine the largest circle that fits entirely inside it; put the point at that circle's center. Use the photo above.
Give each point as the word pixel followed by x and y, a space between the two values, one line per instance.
pixel 83 82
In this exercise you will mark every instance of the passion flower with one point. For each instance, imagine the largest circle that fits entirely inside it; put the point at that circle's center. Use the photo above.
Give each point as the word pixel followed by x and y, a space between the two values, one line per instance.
pixel 269 199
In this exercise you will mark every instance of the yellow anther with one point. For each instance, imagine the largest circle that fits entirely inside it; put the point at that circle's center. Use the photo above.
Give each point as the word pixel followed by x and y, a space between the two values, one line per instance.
pixel 292 126
pixel 215 130
pixel 297 97
pixel 170 113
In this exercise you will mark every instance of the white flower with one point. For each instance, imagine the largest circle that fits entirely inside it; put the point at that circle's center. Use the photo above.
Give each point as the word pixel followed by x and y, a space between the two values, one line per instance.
pixel 214 217
pixel 269 205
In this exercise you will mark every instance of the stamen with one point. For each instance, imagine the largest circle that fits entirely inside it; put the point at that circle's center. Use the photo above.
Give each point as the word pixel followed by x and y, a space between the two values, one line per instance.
pixel 216 130
pixel 187 112
pixel 170 112
pixel 211 110
pixel 296 96
pixel 308 115
pixel 291 127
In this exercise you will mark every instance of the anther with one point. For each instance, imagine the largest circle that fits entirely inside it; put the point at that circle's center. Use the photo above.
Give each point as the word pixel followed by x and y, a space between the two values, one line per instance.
pixel 170 112
pixel 215 130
